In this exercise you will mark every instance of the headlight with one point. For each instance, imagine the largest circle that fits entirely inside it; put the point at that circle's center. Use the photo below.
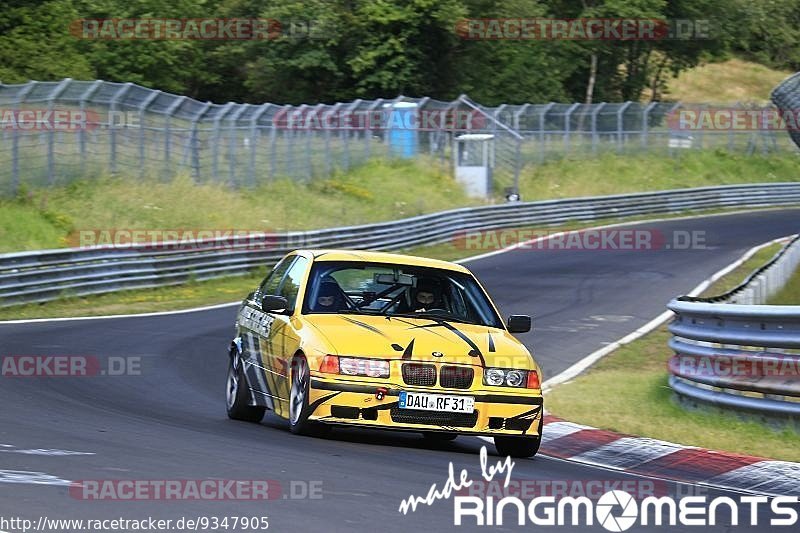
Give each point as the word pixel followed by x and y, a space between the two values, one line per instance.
pixel 356 366
pixel 509 377
pixel 515 378
pixel 494 376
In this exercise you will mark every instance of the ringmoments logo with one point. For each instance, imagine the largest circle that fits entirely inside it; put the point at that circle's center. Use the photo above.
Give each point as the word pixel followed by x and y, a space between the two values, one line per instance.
pixel 616 499
pixel 615 510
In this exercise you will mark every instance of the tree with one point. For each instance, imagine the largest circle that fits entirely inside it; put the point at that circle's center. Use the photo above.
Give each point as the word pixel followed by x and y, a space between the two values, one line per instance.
pixel 35 43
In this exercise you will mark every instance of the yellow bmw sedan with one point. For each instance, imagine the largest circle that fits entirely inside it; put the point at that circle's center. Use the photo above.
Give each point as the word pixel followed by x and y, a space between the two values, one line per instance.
pixel 355 338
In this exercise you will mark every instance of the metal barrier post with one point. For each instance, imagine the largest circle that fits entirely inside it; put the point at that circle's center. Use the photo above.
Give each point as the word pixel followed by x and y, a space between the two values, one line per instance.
pixel 621 124
pixel 255 135
pixel 646 123
pixel 170 112
pixel 194 148
pixel 217 139
pixel 142 110
pixel 18 101
pixel 113 128
pixel 51 137
pixel 82 133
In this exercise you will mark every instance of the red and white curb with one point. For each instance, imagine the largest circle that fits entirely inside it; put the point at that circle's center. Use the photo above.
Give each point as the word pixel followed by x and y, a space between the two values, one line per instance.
pixel 666 460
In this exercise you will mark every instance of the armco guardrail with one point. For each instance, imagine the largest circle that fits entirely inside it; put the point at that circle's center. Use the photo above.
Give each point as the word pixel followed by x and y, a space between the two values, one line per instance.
pixel 741 356
pixel 46 275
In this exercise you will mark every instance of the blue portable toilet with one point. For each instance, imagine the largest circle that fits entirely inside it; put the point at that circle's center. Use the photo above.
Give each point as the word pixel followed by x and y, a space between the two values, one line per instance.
pixel 401 129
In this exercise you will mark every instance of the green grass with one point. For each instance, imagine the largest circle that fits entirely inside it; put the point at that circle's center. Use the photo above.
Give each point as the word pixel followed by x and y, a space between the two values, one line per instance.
pixel 615 174
pixel 730 81
pixel 790 293
pixel 631 385
pixel 740 273
pixel 628 392
pixel 379 190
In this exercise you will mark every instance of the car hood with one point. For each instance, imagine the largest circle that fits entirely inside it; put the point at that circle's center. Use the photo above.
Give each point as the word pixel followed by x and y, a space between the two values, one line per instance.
pixel 420 339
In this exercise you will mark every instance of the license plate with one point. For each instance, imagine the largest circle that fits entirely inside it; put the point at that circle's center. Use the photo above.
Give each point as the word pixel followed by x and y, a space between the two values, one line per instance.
pixel 436 402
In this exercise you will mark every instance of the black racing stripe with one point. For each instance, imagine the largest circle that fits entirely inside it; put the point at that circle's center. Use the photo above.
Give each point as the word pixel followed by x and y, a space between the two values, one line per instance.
pixel 528 414
pixel 366 326
pixel 409 351
pixel 499 398
pixel 426 327
pixel 475 351
pixel 531 414
pixel 313 406
pixel 465 338
pixel 491 342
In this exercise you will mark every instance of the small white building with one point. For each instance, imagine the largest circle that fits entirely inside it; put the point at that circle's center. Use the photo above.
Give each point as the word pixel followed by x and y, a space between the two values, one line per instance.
pixel 473 163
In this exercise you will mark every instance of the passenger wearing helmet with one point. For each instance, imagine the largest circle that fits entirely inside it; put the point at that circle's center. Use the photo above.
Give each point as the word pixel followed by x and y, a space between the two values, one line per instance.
pixel 329 297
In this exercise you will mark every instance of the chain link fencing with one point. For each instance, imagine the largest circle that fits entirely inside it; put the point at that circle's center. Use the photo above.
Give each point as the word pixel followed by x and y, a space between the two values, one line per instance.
pixel 52 133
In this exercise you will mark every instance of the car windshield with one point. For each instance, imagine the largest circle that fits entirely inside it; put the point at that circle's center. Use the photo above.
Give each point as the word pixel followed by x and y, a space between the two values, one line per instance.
pixel 398 290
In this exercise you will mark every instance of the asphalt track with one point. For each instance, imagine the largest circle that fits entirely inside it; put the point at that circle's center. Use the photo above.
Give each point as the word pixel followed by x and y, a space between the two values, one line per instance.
pixel 169 422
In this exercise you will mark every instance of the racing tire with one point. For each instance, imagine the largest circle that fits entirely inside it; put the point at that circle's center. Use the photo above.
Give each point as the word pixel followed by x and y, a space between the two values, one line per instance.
pixel 299 410
pixel 237 397
pixel 439 436
pixel 519 446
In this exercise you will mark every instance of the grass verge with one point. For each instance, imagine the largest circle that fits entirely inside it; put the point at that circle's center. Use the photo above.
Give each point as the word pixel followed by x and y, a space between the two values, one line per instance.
pixel 631 386
pixel 379 190
pixel 618 174
pixel 790 293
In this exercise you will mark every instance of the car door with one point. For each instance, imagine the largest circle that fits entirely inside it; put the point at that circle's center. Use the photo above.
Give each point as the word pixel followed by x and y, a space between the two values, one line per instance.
pixel 257 334
pixel 286 340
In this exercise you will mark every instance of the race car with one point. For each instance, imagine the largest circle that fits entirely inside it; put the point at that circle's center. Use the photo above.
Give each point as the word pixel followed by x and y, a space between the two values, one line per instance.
pixel 386 341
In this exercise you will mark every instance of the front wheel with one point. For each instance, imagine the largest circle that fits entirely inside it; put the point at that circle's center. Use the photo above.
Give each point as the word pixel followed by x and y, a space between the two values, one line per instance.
pixel 237 398
pixel 299 411
pixel 522 446
pixel 517 446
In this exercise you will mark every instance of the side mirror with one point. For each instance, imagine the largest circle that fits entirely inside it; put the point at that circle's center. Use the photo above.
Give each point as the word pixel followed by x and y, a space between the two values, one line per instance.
pixel 273 304
pixel 519 324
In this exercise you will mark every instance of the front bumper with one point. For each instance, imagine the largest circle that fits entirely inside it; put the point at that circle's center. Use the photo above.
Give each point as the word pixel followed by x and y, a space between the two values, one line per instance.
pixel 342 401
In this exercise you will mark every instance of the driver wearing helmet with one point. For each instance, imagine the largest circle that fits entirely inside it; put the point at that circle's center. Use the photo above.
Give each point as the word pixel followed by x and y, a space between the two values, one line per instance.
pixel 426 296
